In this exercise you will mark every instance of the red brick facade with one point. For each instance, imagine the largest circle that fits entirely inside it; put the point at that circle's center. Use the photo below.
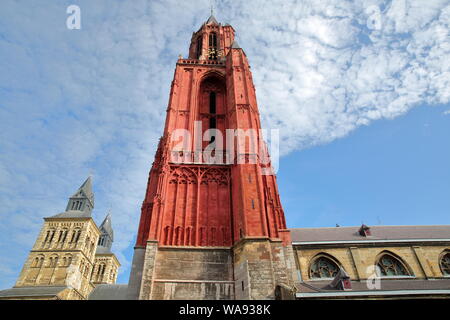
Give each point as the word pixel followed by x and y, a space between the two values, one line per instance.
pixel 198 202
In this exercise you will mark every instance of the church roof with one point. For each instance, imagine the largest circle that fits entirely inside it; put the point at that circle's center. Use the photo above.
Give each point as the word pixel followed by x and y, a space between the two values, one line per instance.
pixel 212 20
pixel 106 226
pixel 103 250
pixel 235 45
pixel 86 190
pixel 38 291
pixel 391 287
pixel 378 233
pixel 72 214
pixel 109 292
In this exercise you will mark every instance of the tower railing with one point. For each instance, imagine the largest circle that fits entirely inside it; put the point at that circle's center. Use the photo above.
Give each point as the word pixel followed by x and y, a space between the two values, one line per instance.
pixel 201 157
pixel 201 62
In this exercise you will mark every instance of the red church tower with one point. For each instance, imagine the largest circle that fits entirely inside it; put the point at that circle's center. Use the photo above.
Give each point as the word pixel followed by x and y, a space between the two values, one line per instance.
pixel 212 225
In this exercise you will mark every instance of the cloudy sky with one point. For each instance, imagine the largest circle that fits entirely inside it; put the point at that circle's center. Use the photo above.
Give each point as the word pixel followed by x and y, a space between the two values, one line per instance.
pixel 360 91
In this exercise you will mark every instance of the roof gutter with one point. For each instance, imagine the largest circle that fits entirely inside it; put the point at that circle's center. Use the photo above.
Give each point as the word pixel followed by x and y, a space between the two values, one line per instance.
pixel 300 295
pixel 368 241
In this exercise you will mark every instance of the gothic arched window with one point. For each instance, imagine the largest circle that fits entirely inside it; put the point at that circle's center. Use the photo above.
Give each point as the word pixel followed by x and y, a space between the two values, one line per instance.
pixel 199 47
pixel 445 264
pixel 323 267
pixel 390 266
pixel 213 52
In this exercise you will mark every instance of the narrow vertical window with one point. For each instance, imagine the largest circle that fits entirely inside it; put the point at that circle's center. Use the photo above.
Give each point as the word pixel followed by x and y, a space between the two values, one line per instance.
pixel 213 52
pixel 212 102
pixel 212 111
pixel 199 47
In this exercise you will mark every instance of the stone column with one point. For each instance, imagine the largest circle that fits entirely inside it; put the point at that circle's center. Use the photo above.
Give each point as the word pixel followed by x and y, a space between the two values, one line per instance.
pixel 148 270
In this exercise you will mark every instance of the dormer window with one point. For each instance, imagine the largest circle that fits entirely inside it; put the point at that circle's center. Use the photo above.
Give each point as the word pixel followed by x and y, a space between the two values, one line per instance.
pixel 364 231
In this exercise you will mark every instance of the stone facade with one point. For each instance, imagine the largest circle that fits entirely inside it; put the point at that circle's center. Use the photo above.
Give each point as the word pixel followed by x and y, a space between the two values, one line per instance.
pixel 105 268
pixel 61 245
pixel 187 273
pixel 64 262
pixel 260 265
pixel 422 260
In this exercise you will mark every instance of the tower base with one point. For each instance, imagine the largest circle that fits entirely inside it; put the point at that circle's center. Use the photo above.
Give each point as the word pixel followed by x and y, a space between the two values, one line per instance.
pixel 250 270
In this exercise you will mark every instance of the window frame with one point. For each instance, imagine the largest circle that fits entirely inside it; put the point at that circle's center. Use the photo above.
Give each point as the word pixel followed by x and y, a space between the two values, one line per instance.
pixel 441 257
pixel 397 259
pixel 324 256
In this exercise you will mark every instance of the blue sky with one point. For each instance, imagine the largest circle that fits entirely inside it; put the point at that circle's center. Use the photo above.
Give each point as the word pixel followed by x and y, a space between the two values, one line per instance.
pixel 359 90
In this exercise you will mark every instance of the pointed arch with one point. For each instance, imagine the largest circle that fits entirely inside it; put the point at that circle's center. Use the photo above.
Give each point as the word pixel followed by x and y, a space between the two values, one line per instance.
pixel 215 175
pixel 324 266
pixel 183 175
pixel 388 264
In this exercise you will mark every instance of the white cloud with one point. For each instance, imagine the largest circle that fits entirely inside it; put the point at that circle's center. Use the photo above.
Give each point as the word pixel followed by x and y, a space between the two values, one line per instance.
pixel 95 99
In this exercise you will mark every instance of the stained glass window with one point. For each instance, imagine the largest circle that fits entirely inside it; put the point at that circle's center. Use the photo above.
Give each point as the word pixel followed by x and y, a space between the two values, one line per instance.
pixel 323 267
pixel 391 267
pixel 445 264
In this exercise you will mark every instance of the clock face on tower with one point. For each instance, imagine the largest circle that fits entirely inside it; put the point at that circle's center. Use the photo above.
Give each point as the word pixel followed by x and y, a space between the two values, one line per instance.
pixel 212 54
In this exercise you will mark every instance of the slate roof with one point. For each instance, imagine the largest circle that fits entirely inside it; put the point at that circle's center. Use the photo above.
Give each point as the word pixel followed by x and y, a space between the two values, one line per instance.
pixel 109 292
pixel 212 20
pixel 103 250
pixel 32 291
pixel 400 287
pixel 107 227
pixel 72 214
pixel 339 234
pixel 235 45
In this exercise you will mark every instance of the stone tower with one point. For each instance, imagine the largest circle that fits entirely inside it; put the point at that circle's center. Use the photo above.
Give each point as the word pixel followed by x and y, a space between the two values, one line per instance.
pixel 212 225
pixel 106 263
pixel 65 261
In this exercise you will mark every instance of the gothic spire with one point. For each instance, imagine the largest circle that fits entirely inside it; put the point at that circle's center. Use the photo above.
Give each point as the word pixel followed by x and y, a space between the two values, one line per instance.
pixel 81 203
pixel 106 227
pixel 86 190
pixel 212 19
pixel 106 237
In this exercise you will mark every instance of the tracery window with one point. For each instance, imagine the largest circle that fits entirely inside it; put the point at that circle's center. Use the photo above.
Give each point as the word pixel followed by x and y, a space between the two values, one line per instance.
pixel 323 267
pixel 391 266
pixel 445 264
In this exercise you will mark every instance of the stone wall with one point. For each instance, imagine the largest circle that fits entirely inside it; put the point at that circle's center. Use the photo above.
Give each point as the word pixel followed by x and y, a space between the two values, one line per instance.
pixel 421 259
pixel 187 273
pixel 259 266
